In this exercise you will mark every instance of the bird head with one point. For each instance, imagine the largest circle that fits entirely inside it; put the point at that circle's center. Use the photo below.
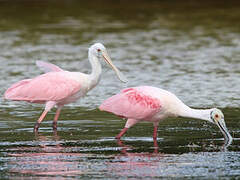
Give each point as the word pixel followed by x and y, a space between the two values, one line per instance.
pixel 99 51
pixel 217 117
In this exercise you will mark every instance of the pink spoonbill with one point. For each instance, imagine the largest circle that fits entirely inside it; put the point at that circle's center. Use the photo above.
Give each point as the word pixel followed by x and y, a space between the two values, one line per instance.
pixel 58 87
pixel 146 103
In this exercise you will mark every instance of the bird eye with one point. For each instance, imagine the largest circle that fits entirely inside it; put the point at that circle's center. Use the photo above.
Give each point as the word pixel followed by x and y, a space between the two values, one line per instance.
pixel 216 116
pixel 98 50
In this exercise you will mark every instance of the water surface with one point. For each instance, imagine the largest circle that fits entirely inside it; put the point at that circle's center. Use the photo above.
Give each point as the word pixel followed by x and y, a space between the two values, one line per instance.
pixel 189 48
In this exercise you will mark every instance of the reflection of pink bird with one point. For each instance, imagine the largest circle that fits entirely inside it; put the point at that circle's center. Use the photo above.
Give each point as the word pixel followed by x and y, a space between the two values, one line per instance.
pixel 146 103
pixel 58 87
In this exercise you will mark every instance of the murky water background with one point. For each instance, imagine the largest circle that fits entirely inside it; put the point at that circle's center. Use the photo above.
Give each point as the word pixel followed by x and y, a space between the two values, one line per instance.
pixel 189 48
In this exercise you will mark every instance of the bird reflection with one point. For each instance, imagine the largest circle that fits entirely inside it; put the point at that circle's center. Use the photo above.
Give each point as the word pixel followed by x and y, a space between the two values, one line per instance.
pixel 124 147
pixel 47 158
pixel 135 164
pixel 212 145
pixel 45 147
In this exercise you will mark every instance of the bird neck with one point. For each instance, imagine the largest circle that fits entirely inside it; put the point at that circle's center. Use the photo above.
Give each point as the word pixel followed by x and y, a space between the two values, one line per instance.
pixel 203 114
pixel 96 69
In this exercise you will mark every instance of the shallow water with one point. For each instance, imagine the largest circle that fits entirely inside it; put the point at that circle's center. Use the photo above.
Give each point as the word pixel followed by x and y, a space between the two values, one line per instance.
pixel 189 48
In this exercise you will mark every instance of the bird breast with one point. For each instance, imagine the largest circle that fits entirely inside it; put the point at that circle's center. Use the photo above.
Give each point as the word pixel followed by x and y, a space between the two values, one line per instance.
pixel 83 80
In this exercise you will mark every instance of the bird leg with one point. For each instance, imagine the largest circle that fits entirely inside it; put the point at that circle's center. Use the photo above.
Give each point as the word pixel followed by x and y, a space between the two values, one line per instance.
pixel 123 131
pixel 129 123
pixel 155 145
pixel 155 138
pixel 56 118
pixel 40 120
pixel 155 132
pixel 48 107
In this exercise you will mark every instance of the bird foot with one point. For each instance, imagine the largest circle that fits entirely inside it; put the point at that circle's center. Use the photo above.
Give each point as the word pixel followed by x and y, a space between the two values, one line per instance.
pixel 118 137
pixel 54 126
pixel 123 131
pixel 36 127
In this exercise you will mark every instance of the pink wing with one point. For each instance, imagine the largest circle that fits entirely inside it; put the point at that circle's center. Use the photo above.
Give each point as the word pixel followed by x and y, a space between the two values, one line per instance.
pixel 131 103
pixel 48 67
pixel 52 86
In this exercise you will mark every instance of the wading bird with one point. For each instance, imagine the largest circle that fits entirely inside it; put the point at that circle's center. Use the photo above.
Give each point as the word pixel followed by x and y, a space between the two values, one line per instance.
pixel 58 87
pixel 146 103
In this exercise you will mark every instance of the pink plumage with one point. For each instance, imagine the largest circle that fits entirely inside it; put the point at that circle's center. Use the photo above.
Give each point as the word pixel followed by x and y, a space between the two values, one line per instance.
pixel 48 67
pixel 147 103
pixel 132 103
pixel 58 87
pixel 136 104
pixel 52 86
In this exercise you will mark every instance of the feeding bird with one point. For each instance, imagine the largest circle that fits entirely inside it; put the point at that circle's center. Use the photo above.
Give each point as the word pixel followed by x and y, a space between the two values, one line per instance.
pixel 58 87
pixel 147 103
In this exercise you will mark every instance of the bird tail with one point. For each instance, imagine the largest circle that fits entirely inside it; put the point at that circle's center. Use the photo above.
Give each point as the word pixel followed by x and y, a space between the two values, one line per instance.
pixel 11 93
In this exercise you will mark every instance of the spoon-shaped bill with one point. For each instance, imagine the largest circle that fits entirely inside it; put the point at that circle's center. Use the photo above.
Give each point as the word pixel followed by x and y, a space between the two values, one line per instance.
pixel 222 126
pixel 109 61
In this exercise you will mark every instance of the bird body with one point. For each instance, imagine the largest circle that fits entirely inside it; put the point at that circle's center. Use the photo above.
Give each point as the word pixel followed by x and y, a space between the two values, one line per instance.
pixel 52 86
pixel 147 103
pixel 58 87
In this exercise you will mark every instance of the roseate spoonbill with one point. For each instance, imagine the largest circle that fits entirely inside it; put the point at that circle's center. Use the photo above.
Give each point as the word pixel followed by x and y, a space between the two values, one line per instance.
pixel 58 87
pixel 146 103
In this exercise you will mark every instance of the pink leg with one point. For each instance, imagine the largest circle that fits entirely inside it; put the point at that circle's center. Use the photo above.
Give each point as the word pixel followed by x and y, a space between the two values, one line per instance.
pixel 56 118
pixel 40 120
pixel 155 137
pixel 129 123
pixel 155 145
pixel 155 132
pixel 124 148
pixel 123 131
pixel 48 107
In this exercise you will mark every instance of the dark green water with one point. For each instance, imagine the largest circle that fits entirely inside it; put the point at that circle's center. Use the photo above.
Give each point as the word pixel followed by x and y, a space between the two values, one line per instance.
pixel 189 48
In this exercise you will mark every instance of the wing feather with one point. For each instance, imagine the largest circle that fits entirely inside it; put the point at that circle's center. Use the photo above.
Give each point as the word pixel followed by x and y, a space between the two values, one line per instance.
pixel 52 86
pixel 48 67
pixel 131 103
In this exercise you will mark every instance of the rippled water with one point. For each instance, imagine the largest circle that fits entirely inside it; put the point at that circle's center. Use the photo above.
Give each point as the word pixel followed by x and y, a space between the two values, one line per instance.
pixel 189 48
